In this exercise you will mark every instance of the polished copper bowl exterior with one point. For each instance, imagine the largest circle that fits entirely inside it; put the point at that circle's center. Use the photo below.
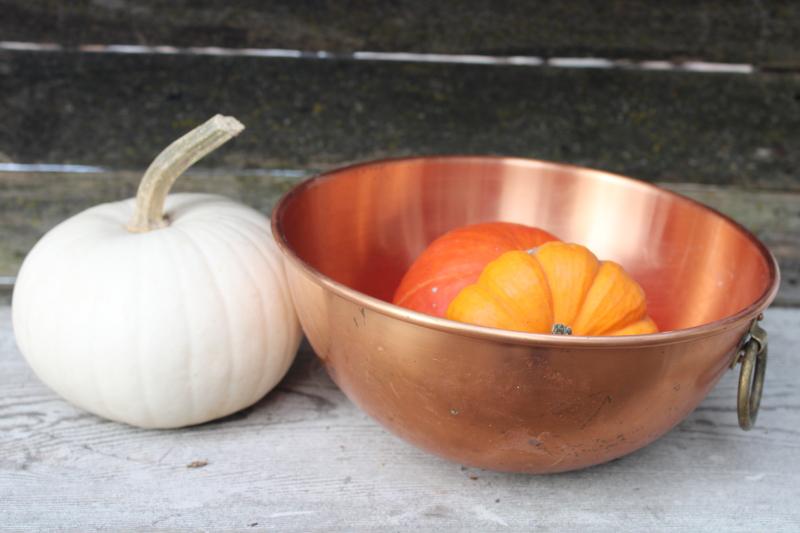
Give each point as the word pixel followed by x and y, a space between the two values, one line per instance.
pixel 507 400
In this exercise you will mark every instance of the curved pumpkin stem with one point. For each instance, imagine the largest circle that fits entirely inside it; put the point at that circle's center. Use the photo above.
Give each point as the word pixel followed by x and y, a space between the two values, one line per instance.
pixel 171 163
pixel 561 329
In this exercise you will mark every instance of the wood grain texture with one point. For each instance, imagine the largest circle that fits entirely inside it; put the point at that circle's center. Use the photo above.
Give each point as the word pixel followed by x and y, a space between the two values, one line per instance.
pixel 33 203
pixel 739 30
pixel 121 110
pixel 305 459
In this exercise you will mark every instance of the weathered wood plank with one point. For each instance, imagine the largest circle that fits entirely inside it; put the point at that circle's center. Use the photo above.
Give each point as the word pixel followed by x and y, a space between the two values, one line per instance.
pixel 305 458
pixel 738 30
pixel 32 203
pixel 119 111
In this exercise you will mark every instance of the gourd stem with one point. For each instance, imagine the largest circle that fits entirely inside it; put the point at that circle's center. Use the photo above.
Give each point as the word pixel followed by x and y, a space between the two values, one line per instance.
pixel 561 329
pixel 171 163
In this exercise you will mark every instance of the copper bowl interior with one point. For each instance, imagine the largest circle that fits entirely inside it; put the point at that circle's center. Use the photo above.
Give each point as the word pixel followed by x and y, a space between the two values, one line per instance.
pixel 363 227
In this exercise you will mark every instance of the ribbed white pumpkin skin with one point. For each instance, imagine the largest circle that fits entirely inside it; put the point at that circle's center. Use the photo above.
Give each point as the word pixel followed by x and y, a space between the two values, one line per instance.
pixel 166 328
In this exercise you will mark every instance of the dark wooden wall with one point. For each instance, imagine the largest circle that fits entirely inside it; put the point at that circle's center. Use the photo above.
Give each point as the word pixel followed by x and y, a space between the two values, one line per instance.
pixel 763 32
pixel 730 138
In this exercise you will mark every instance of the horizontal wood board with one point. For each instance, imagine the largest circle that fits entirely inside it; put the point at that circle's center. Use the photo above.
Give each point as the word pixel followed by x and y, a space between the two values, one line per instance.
pixel 764 32
pixel 120 110
pixel 306 459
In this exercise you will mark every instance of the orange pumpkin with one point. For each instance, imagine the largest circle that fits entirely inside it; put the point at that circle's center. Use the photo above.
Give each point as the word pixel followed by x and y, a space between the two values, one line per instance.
pixel 556 288
pixel 456 259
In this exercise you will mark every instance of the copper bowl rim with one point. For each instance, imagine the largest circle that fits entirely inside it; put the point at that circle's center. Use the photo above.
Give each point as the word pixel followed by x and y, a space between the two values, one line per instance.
pixel 518 337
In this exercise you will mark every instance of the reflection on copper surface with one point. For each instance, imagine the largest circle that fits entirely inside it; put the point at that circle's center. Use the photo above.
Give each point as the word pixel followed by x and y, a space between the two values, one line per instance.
pixel 504 400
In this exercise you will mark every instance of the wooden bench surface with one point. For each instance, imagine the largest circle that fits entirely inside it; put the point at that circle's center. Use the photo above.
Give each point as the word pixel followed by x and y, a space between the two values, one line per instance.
pixel 305 458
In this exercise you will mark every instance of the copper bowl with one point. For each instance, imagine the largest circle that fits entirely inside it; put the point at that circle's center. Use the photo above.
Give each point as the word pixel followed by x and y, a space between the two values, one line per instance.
pixel 515 401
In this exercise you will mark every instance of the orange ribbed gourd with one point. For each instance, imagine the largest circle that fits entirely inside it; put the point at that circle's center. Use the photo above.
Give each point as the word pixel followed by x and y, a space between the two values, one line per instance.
pixel 456 259
pixel 558 288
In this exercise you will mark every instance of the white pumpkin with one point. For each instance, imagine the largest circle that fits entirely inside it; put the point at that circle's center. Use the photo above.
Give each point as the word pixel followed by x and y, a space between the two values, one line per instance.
pixel 168 321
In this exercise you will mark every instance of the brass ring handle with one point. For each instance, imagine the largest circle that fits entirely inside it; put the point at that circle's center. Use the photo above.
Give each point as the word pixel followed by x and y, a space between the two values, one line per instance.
pixel 753 358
